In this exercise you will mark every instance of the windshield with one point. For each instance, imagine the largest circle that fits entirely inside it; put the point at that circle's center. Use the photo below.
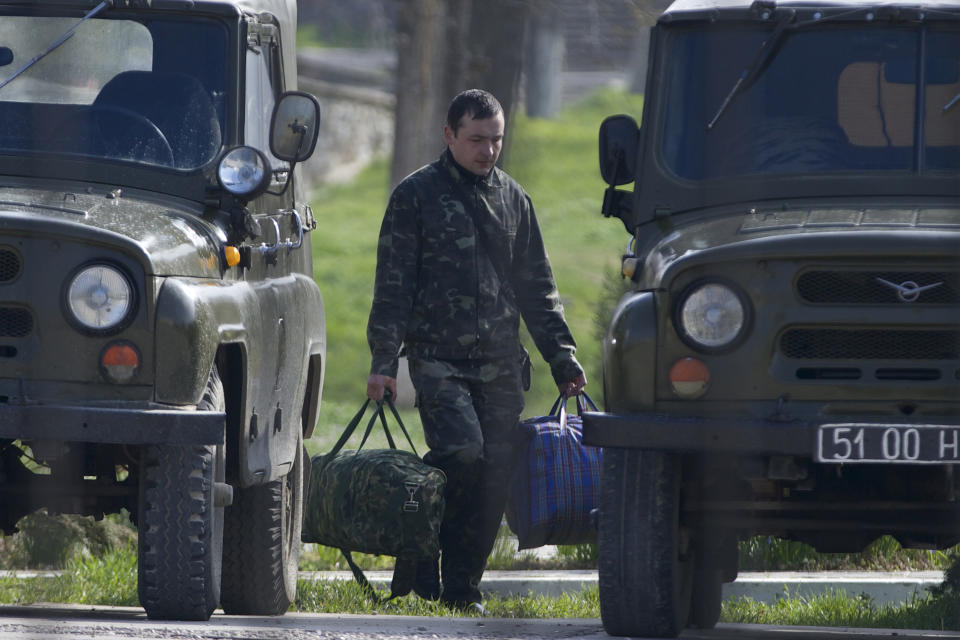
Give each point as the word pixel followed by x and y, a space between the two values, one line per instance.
pixel 149 92
pixel 832 99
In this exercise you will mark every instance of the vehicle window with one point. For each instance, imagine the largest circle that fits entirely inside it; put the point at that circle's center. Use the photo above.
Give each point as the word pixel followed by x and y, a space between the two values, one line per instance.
pixel 264 85
pixel 77 70
pixel 148 92
pixel 832 100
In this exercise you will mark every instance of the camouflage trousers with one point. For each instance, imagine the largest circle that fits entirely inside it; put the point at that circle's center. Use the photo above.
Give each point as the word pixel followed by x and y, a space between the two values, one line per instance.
pixel 470 410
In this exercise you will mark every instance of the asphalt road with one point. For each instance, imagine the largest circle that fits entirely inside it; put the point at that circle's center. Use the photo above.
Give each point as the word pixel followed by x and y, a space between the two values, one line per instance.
pixel 127 623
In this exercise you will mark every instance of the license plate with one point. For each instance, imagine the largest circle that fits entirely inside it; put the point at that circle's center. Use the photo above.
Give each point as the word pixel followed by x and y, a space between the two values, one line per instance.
pixel 887 443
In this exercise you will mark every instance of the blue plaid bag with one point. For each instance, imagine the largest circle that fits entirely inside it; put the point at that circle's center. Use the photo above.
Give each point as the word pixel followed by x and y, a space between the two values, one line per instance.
pixel 557 483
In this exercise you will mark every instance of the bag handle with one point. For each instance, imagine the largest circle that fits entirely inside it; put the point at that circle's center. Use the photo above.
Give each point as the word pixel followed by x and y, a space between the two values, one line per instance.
pixel 584 402
pixel 404 574
pixel 355 421
pixel 388 399
pixel 349 429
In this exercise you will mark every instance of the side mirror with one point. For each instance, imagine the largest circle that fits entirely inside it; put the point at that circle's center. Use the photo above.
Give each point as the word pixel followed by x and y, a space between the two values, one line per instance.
pixel 294 126
pixel 619 136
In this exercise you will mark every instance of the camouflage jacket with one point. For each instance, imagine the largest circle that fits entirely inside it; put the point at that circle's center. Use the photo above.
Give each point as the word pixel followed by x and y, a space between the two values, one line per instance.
pixel 447 292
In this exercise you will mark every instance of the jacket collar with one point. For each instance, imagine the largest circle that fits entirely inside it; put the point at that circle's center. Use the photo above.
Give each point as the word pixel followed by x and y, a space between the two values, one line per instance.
pixel 462 176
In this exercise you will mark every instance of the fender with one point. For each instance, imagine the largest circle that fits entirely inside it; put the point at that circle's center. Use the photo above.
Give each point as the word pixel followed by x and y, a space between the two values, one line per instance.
pixel 192 319
pixel 629 354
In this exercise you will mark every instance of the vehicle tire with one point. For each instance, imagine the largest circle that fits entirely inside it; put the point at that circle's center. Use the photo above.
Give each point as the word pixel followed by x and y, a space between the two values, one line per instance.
pixel 262 544
pixel 645 577
pixel 180 528
pixel 716 563
pixel 707 599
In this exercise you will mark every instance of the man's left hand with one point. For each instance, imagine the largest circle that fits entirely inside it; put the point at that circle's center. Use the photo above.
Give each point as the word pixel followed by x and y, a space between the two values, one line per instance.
pixel 574 387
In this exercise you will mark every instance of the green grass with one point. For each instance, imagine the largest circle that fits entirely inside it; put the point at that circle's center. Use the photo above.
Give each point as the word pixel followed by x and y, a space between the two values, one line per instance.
pixel 342 35
pixel 765 553
pixel 839 609
pixel 110 580
pixel 348 597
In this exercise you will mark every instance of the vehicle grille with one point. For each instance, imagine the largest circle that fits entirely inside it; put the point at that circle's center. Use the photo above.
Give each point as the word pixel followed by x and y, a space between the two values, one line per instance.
pixel 864 287
pixel 871 344
pixel 15 322
pixel 9 265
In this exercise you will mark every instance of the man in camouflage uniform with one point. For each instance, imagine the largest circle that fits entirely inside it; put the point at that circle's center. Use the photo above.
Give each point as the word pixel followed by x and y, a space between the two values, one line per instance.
pixel 460 260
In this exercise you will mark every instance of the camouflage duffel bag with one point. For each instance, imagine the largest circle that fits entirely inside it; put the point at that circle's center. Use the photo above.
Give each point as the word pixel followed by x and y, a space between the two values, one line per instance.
pixel 378 501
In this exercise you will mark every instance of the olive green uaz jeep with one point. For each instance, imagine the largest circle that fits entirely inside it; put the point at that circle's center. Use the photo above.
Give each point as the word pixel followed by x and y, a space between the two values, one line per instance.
pixel 161 336
pixel 788 360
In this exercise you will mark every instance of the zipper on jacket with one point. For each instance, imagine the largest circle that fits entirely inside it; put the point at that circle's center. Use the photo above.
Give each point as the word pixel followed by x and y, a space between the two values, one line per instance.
pixel 476 262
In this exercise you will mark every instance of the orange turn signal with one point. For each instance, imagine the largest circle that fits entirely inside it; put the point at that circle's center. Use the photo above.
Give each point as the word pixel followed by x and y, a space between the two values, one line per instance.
pixel 689 378
pixel 120 361
pixel 231 255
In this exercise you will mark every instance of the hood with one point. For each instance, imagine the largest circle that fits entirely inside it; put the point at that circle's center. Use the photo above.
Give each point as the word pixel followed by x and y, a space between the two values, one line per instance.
pixel 168 237
pixel 825 233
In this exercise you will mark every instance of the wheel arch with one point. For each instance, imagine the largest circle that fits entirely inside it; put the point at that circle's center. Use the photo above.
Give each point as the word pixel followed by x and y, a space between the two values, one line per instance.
pixel 314 391
pixel 629 354
pixel 193 321
pixel 231 362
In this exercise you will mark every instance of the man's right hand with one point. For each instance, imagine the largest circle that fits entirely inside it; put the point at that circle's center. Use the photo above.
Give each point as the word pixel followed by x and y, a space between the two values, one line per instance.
pixel 376 384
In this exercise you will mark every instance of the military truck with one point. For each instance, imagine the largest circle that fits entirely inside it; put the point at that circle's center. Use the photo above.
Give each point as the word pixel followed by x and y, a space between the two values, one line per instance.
pixel 162 341
pixel 787 360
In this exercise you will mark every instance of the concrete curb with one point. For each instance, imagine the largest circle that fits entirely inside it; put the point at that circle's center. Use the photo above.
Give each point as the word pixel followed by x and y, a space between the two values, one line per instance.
pixel 892 587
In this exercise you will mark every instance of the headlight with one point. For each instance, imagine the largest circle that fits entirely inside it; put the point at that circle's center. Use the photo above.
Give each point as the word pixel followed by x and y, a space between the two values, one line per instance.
pixel 243 171
pixel 712 315
pixel 99 297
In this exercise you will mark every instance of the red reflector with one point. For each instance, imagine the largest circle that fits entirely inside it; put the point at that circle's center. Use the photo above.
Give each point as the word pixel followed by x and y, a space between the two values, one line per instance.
pixel 120 361
pixel 122 355
pixel 689 378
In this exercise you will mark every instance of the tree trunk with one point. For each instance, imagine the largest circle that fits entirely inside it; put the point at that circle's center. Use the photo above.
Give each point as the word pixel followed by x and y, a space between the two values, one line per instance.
pixel 420 44
pixel 494 60
pixel 444 48
pixel 543 66
pixel 637 74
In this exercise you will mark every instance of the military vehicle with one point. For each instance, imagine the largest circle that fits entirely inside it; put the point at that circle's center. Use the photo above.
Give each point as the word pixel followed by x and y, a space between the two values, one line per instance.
pixel 162 341
pixel 787 361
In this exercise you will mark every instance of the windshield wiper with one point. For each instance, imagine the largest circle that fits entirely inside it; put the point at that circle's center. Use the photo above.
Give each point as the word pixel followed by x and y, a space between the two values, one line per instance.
pixel 760 60
pixel 59 41
pixel 954 101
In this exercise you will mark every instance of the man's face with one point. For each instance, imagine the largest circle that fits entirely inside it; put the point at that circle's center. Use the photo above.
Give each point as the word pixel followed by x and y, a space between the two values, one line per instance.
pixel 476 144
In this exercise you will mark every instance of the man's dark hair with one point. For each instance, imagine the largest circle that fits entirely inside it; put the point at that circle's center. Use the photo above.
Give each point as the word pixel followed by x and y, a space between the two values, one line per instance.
pixel 476 103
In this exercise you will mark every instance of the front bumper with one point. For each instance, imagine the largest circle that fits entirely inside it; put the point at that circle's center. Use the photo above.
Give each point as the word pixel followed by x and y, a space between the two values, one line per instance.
pixel 140 425
pixel 696 434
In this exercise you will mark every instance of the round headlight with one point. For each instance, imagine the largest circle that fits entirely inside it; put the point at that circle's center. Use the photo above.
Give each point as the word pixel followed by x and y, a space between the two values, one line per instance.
pixel 99 297
pixel 712 315
pixel 243 172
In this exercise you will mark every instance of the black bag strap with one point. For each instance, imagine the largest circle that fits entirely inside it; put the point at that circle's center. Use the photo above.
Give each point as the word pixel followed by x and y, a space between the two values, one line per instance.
pixel 358 575
pixel 404 574
pixel 379 413
pixel 584 402
pixel 349 429
pixel 387 399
